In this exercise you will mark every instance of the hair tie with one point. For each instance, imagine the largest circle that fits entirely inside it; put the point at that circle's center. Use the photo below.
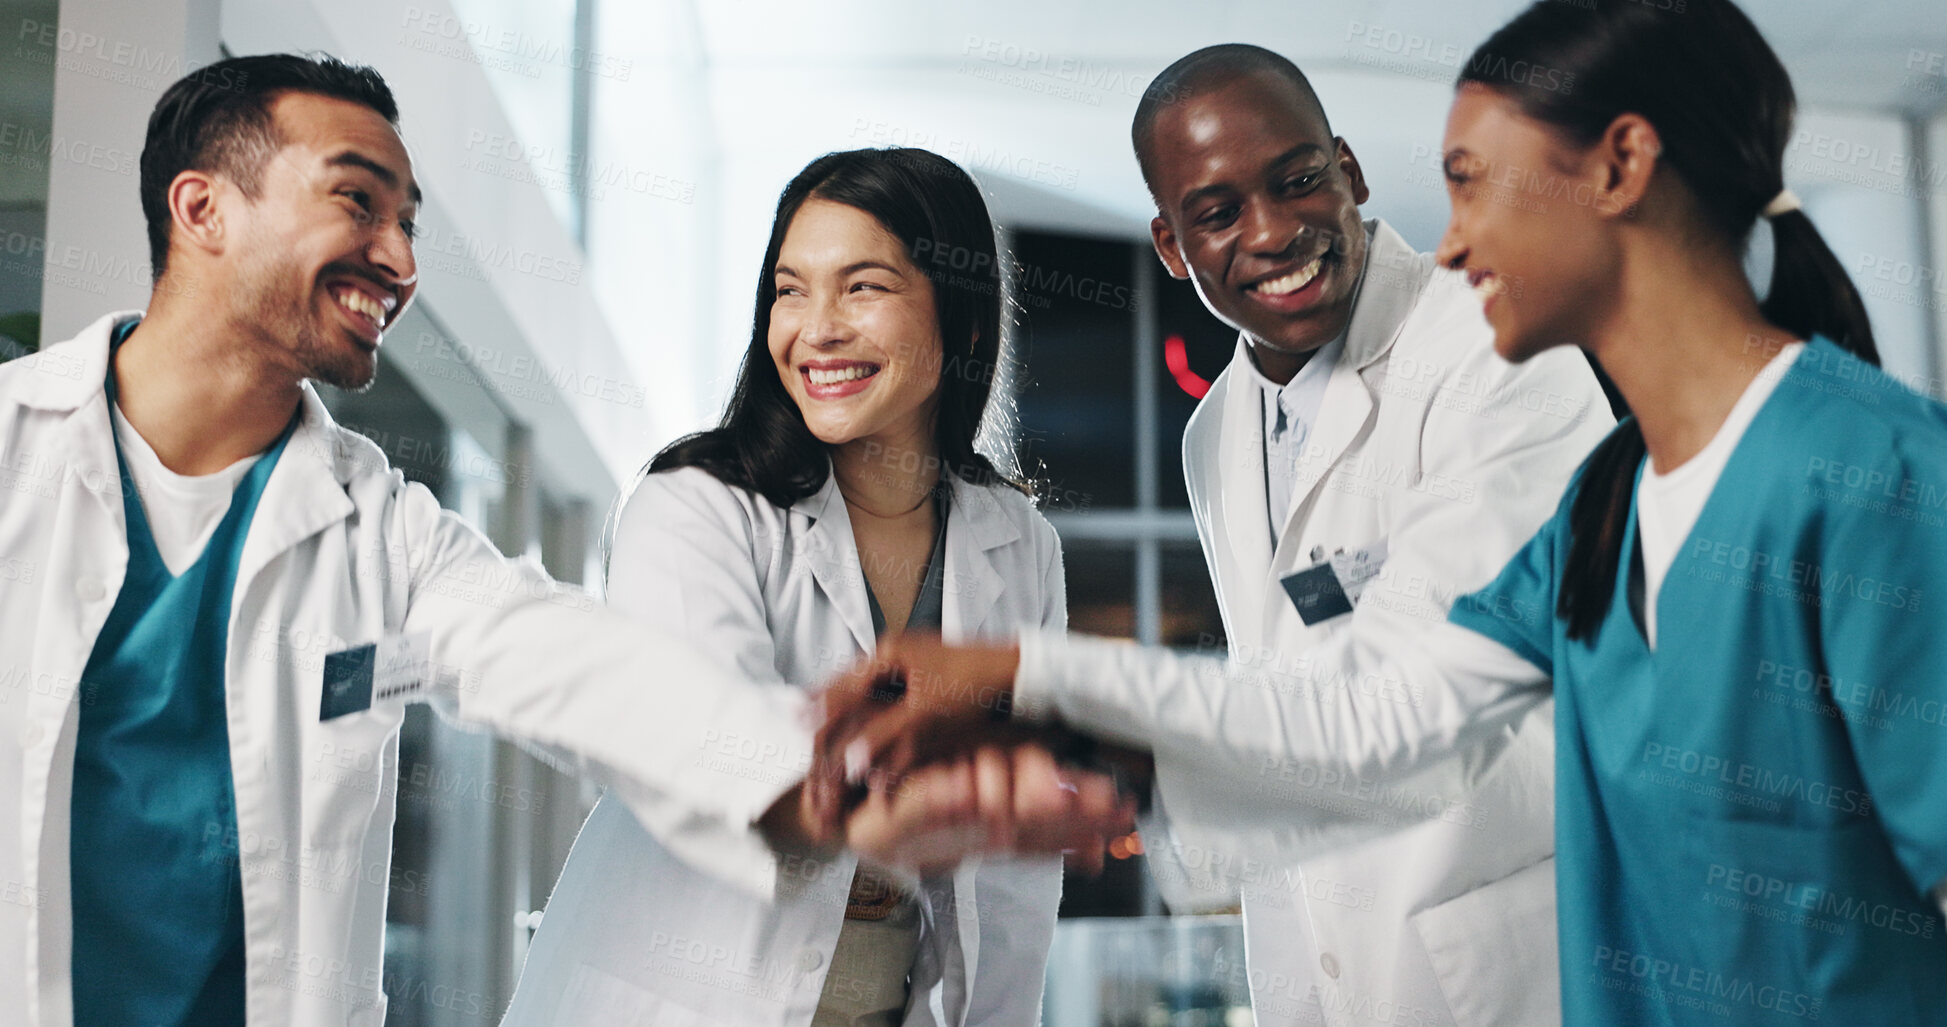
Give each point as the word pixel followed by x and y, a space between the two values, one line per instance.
pixel 1783 203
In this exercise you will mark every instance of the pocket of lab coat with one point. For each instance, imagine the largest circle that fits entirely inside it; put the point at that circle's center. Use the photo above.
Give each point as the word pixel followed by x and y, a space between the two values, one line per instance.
pixel 596 997
pixel 1494 950
pixel 347 777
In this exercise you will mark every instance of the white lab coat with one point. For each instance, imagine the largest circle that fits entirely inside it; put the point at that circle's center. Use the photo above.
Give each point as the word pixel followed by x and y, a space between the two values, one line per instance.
pixel 634 936
pixel 1429 901
pixel 341 552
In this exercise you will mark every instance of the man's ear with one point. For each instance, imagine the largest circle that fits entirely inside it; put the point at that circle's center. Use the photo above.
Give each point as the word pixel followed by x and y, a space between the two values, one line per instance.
pixel 1354 174
pixel 1627 156
pixel 1164 238
pixel 196 211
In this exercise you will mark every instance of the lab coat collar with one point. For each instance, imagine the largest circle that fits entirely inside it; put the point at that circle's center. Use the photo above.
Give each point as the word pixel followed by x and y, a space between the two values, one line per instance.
pixel 975 525
pixel 75 370
pixel 306 490
pixel 1394 276
pixel 833 555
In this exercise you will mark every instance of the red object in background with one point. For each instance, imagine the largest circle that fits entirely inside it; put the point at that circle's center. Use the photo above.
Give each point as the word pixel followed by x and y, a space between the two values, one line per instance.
pixel 1176 357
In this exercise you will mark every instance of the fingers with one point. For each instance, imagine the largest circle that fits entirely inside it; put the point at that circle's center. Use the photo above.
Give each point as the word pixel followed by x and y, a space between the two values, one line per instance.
pixel 994 780
pixel 1088 858
pixel 847 702
pixel 929 820
pixel 1042 800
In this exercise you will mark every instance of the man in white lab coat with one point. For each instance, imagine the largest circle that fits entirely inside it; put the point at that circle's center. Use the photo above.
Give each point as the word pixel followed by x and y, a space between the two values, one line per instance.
pixel 216 601
pixel 1363 460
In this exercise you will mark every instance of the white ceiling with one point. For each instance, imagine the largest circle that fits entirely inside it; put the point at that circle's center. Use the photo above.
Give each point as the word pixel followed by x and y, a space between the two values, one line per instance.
pixel 1841 54
pixel 1036 97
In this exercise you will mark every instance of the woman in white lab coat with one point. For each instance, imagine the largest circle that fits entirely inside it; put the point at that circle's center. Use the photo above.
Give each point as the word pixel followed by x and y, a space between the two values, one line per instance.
pixel 841 498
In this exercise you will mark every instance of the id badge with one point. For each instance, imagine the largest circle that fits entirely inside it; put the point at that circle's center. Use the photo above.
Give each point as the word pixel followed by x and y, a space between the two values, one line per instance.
pixel 1332 587
pixel 395 667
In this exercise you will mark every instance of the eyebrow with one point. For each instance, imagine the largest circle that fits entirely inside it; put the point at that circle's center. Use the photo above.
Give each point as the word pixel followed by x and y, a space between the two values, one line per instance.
pixel 853 268
pixel 354 159
pixel 1302 149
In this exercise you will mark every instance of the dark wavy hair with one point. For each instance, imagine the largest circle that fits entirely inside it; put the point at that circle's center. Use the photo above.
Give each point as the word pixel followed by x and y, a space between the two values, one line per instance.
pixel 934 209
pixel 1723 105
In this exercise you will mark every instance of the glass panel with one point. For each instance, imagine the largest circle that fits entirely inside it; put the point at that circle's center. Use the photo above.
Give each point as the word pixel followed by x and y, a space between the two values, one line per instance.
pixel 528 50
pixel 26 139
pixel 1206 347
pixel 1181 971
pixel 1190 616
pixel 1101 588
pixel 1077 394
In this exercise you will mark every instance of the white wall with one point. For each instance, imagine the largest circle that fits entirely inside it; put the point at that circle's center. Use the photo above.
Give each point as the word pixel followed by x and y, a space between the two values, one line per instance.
pixel 500 273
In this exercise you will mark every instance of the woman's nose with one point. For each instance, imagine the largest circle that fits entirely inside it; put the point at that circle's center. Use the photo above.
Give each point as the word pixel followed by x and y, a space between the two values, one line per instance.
pixel 1452 253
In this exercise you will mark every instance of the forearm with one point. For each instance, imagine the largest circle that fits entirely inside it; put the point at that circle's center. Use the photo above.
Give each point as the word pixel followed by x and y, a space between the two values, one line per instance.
pixel 697 756
pixel 1347 711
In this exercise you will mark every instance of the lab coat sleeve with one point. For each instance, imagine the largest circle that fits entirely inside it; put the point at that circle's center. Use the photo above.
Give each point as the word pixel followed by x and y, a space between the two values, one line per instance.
pixel 696 753
pixel 1016 899
pixel 1384 698
pixel 1892 646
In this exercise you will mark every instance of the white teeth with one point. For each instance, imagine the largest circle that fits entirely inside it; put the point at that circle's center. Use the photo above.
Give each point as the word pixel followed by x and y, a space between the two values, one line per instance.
pixel 359 303
pixel 843 374
pixel 1488 288
pixel 1292 282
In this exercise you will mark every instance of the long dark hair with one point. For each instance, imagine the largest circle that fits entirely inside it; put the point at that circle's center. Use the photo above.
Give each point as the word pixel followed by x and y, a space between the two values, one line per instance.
pixel 1723 105
pixel 936 210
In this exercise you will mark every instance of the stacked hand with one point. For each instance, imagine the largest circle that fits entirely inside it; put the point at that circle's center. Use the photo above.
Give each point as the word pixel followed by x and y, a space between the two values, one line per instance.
pixel 918 765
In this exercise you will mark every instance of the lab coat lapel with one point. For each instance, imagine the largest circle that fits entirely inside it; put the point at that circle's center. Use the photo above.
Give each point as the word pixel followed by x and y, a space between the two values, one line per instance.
pixel 832 553
pixel 305 493
pixel 1229 464
pixel 90 552
pixel 1393 280
pixel 973 588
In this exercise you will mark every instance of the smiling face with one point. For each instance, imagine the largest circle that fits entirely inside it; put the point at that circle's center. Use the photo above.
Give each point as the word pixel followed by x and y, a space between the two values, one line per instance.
pixel 1528 225
pixel 322 261
pixel 1259 207
pixel 854 331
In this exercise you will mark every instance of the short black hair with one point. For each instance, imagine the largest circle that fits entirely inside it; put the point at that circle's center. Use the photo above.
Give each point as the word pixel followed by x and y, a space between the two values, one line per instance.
pixel 217 118
pixel 1203 69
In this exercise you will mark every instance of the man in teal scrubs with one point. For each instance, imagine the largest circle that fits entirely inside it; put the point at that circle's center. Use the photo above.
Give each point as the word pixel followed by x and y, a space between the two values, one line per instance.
pixel 158 912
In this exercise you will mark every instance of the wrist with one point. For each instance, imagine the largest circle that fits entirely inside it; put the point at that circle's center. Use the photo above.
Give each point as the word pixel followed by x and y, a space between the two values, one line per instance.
pixel 789 825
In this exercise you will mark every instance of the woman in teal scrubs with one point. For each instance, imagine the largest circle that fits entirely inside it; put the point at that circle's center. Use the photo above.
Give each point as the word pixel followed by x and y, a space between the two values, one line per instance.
pixel 1748 664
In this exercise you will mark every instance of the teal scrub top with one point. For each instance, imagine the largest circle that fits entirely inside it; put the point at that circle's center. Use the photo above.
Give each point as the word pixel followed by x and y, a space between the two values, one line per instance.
pixel 156 885
pixel 1748 819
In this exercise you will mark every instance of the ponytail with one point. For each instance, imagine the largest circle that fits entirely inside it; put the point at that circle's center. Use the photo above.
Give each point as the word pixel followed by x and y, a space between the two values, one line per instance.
pixel 1811 294
pixel 1723 105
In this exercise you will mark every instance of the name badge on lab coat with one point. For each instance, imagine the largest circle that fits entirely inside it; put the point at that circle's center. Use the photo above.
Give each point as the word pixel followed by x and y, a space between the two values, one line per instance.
pixel 395 667
pixel 1333 585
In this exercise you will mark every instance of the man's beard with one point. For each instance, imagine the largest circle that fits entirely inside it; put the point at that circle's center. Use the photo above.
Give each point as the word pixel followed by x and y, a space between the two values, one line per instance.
pixel 291 323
